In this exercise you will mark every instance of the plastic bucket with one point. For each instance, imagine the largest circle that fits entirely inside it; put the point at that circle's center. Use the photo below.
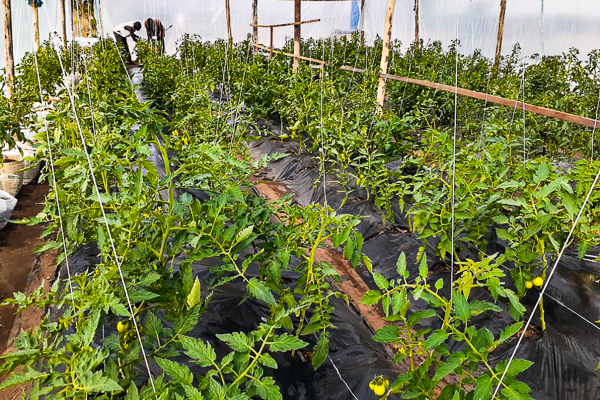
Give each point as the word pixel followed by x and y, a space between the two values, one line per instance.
pixel 7 205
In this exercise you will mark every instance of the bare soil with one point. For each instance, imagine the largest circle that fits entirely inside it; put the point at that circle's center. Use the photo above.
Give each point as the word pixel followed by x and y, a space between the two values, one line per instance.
pixel 22 270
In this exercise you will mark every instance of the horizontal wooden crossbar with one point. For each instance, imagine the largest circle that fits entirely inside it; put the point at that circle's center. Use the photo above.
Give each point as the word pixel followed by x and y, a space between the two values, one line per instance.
pixel 575 119
pixel 289 54
pixel 288 24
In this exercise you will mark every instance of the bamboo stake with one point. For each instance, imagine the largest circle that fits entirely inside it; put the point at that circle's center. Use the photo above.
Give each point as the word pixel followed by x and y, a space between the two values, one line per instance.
pixel 385 53
pixel 8 47
pixel 500 33
pixel 297 32
pixel 362 21
pixel 228 15
pixel 255 23
pixel 36 27
pixel 64 20
pixel 417 24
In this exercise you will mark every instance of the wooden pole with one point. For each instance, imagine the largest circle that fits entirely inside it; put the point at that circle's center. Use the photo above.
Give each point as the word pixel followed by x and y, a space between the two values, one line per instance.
pixel 8 47
pixel 271 48
pixel 385 53
pixel 100 20
pixel 64 20
pixel 36 27
pixel 228 15
pixel 297 31
pixel 362 21
pixel 500 32
pixel 417 24
pixel 255 22
pixel 72 13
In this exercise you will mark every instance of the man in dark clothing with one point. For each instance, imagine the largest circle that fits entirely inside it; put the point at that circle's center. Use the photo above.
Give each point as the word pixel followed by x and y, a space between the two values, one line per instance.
pixel 156 31
pixel 125 30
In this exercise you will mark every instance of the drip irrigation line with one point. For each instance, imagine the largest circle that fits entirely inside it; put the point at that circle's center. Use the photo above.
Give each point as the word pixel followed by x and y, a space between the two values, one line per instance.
pixel 547 281
pixel 54 184
pixel 112 244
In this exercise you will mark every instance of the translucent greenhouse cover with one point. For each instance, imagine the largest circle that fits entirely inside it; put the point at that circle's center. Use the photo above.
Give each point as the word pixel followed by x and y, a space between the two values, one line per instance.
pixel 540 26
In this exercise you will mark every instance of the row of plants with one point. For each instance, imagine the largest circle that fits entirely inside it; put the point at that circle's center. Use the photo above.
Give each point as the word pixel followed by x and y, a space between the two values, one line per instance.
pixel 359 144
pixel 528 201
pixel 132 212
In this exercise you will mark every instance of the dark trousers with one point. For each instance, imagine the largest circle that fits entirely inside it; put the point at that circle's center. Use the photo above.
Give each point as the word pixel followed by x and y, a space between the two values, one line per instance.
pixel 122 41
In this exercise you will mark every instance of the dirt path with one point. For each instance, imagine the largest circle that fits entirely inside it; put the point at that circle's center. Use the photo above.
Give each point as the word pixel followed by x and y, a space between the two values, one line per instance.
pixel 17 259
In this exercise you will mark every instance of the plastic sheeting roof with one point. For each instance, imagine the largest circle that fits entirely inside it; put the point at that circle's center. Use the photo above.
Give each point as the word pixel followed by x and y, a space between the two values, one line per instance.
pixel 565 24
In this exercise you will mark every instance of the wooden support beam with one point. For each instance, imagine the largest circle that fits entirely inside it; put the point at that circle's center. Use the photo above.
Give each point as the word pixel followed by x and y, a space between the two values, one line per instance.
pixel 8 47
pixel 310 21
pixel 255 23
pixel 417 24
pixel 547 112
pixel 297 31
pixel 500 33
pixel 260 46
pixel 64 20
pixel 36 28
pixel 228 16
pixel 362 21
pixel 385 53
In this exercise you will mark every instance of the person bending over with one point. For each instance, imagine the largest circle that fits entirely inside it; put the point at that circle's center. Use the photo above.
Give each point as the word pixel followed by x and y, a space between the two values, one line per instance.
pixel 156 31
pixel 125 30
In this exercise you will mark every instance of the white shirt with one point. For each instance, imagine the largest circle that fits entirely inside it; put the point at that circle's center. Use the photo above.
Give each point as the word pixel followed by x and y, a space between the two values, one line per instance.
pixel 120 29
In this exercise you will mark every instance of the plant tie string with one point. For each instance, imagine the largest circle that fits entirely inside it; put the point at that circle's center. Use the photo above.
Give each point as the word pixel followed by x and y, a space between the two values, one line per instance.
pixel 54 184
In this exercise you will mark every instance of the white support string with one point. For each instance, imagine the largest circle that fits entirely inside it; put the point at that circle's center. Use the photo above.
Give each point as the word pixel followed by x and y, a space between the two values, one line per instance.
pixel 546 283
pixel 117 262
pixel 235 123
pixel 322 145
pixel 54 184
pixel 453 220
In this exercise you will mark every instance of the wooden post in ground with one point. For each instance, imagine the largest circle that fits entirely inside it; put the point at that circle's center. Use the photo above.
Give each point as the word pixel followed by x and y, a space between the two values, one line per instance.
pixel 64 20
pixel 271 48
pixel 255 22
pixel 36 28
pixel 500 33
pixel 100 21
pixel 385 53
pixel 362 21
pixel 417 24
pixel 297 31
pixel 8 47
pixel 228 16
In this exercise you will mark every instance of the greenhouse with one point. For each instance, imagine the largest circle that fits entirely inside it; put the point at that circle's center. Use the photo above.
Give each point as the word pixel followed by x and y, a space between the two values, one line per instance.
pixel 300 199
